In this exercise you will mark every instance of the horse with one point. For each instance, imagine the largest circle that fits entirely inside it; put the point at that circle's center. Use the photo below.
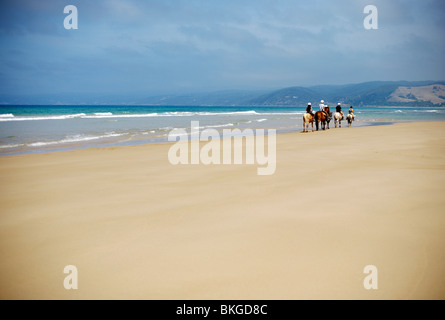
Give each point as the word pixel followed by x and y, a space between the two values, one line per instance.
pixel 350 118
pixel 308 118
pixel 328 120
pixel 321 117
pixel 338 117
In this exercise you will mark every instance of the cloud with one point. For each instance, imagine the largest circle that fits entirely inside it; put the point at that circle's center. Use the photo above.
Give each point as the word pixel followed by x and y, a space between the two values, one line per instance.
pixel 199 45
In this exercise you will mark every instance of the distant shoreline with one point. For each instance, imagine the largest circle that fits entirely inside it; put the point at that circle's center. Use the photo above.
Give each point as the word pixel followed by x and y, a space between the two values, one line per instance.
pixel 31 129
pixel 162 141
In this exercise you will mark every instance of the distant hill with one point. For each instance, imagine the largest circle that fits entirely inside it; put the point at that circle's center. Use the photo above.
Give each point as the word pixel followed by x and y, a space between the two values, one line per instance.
pixel 426 93
pixel 287 97
pixel 432 93
pixel 378 93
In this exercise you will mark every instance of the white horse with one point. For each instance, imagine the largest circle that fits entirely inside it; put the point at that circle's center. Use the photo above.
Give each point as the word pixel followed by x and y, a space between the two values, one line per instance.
pixel 308 118
pixel 338 117
pixel 350 118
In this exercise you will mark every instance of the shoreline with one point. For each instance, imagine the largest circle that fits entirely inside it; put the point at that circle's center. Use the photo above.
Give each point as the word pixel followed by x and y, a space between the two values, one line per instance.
pixel 162 140
pixel 137 227
pixel 43 130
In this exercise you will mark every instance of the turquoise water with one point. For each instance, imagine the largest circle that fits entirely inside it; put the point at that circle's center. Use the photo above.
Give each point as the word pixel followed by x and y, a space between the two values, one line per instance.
pixel 26 129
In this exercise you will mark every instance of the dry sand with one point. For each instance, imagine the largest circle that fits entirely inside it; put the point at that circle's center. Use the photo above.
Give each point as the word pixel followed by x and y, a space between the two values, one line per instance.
pixel 137 227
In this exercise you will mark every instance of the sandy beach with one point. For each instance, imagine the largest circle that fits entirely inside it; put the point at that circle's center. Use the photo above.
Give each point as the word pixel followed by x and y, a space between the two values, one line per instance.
pixel 137 227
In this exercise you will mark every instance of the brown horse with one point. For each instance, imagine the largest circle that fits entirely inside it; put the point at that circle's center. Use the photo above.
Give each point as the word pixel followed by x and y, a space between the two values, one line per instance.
pixel 320 117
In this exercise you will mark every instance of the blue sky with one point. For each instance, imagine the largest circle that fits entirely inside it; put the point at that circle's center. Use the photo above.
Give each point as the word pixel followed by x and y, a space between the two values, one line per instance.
pixel 177 46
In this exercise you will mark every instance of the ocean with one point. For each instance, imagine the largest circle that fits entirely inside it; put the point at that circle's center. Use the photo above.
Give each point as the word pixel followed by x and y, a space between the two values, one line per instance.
pixel 36 129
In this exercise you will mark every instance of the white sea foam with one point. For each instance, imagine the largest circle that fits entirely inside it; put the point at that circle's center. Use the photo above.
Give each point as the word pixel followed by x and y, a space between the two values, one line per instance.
pixel 10 146
pixel 220 125
pixel 261 120
pixel 74 139
pixel 251 112
pixel 32 118
pixel 103 114
pixel 110 115
pixel 114 116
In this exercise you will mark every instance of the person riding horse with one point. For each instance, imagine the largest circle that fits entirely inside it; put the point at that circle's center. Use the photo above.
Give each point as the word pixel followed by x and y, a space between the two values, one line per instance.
pixel 323 109
pixel 351 111
pixel 340 111
pixel 309 109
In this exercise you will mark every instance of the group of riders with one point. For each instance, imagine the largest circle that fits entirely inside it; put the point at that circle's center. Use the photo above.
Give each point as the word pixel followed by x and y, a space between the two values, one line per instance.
pixel 328 115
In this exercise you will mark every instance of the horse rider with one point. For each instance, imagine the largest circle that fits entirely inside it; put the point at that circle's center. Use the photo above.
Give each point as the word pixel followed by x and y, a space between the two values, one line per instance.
pixel 309 109
pixel 322 107
pixel 339 110
pixel 351 111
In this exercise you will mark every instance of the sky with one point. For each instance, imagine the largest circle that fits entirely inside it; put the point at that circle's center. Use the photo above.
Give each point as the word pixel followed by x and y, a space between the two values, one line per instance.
pixel 186 46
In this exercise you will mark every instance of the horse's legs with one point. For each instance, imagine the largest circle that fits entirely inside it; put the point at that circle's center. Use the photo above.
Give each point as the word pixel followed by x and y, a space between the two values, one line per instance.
pixel 312 127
